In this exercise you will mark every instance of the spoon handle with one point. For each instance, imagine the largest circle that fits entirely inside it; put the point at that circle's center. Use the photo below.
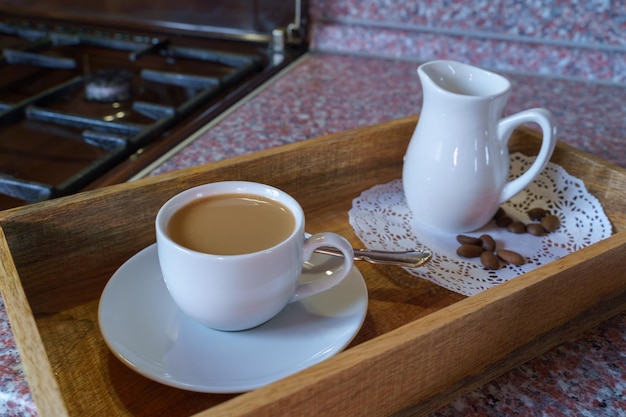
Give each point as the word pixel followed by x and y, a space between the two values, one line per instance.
pixel 411 259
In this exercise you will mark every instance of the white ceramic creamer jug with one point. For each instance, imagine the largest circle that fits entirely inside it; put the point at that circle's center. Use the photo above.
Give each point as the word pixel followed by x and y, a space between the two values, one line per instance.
pixel 456 167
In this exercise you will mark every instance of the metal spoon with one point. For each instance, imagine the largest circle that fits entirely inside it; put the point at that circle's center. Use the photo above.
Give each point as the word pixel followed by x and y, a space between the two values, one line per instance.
pixel 411 259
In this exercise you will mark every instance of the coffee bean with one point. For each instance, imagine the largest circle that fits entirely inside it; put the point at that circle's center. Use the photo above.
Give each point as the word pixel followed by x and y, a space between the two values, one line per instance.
pixel 536 213
pixel 488 243
pixel 535 229
pixel 469 251
pixel 551 223
pixel 504 221
pixel 489 260
pixel 499 213
pixel 468 240
pixel 510 257
pixel 516 227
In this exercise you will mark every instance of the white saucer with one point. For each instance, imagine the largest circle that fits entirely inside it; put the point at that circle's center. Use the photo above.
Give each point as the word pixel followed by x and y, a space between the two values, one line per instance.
pixel 145 329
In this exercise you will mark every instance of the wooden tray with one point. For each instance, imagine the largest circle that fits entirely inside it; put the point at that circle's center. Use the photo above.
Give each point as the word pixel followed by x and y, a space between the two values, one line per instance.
pixel 420 346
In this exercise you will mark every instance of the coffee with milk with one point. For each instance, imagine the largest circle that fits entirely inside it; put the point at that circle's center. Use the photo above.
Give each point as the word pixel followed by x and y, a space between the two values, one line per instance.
pixel 231 224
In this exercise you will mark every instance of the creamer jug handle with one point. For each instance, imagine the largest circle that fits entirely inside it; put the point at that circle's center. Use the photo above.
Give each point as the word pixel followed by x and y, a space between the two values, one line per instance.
pixel 544 119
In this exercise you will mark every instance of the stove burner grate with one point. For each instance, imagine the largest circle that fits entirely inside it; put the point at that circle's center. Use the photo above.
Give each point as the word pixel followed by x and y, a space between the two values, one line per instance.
pixel 119 139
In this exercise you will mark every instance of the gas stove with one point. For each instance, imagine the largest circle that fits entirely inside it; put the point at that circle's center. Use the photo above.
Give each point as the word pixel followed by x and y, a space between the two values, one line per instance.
pixel 90 95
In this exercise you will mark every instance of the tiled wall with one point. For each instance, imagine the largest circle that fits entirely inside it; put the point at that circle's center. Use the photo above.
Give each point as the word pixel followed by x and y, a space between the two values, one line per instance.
pixel 579 39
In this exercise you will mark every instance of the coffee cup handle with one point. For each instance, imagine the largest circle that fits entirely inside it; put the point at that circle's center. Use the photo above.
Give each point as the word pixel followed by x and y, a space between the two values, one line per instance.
pixel 505 128
pixel 324 240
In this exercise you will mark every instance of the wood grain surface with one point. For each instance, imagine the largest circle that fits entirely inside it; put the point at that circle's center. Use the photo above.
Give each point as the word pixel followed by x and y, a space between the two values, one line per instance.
pixel 420 346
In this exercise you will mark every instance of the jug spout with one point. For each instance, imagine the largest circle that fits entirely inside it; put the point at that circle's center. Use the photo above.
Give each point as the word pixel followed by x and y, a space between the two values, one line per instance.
pixel 462 79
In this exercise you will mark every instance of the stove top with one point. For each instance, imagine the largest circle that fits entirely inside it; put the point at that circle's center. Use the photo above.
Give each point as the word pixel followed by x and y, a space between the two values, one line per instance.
pixel 87 106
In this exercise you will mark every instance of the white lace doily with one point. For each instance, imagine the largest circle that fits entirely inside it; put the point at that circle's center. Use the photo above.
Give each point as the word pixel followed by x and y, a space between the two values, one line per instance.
pixel 382 220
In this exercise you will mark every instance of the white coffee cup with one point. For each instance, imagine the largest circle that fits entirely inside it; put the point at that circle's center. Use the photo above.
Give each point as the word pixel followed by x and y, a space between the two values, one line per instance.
pixel 242 291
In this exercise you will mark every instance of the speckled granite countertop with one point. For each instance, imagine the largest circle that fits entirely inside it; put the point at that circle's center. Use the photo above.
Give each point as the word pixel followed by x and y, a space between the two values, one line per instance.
pixel 326 93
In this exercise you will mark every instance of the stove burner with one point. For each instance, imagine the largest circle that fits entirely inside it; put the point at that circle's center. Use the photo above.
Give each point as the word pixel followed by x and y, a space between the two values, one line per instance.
pixel 108 85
